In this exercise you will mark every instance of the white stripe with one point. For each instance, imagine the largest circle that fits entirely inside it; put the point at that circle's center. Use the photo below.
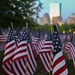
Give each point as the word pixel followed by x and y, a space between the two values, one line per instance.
pixel 19 55
pixel 45 46
pixel 8 56
pixel 45 50
pixel 11 42
pixel 10 49
pixel 58 66
pixel 23 42
pixel 58 55
pixel 48 42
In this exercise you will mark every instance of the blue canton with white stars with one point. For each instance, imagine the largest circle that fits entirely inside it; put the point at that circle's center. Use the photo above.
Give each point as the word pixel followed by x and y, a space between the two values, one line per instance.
pixel 23 36
pixel 49 37
pixel 56 41
pixel 10 35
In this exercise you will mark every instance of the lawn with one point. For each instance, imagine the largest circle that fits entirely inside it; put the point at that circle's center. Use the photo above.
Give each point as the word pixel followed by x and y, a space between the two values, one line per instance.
pixel 40 70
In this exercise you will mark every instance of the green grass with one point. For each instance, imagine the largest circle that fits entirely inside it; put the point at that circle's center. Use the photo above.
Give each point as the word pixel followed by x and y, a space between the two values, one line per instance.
pixel 1 58
pixel 40 70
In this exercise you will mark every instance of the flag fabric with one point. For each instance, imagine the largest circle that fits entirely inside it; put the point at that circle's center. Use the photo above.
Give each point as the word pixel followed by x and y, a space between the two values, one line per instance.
pixel 31 62
pixel 35 41
pixel 71 51
pixel 44 57
pixel 20 57
pixel 47 54
pixel 65 49
pixel 59 65
pixel 3 40
pixel 9 54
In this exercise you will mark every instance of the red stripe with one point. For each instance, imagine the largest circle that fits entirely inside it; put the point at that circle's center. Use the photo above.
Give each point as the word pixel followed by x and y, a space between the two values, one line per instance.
pixel 10 45
pixel 60 70
pixel 21 51
pixel 58 61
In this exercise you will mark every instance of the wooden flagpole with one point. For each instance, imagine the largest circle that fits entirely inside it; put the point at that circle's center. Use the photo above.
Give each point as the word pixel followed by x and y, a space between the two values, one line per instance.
pixel 12 25
pixel 27 40
pixel 50 52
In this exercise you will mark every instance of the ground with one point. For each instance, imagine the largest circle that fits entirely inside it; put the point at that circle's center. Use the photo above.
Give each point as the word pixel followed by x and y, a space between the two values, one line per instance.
pixel 40 70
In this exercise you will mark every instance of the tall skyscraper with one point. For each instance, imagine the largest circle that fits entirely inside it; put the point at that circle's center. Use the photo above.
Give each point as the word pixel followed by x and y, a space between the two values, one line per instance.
pixel 55 11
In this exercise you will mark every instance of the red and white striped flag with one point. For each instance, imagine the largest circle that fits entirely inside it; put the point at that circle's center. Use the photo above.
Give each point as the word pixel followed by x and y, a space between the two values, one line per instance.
pixel 59 65
pixel 31 62
pixel 44 56
pixel 19 60
pixel 71 50
pixel 65 49
pixel 47 54
pixel 35 42
pixel 3 40
pixel 9 54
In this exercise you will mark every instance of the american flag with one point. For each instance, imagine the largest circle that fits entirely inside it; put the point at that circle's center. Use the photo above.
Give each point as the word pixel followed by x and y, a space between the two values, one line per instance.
pixel 19 60
pixel 9 54
pixel 65 49
pixel 31 63
pixel 59 65
pixel 47 54
pixel 35 41
pixel 71 50
pixel 3 40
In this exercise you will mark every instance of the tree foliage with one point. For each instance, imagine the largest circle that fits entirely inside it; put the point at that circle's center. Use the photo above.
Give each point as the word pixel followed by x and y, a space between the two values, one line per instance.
pixel 18 11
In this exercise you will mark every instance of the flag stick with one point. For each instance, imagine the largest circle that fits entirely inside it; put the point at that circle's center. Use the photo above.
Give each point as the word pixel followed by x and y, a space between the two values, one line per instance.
pixel 49 73
pixel 50 51
pixel 27 40
pixel 12 25
pixel 27 30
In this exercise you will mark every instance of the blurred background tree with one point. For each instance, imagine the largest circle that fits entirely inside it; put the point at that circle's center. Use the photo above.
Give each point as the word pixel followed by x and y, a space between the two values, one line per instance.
pixel 19 12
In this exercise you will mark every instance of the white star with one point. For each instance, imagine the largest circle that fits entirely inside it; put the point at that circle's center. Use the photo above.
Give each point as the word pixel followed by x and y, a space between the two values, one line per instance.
pixel 59 47
pixel 57 39
pixel 55 46
pixel 55 50
pixel 56 32
pixel 56 42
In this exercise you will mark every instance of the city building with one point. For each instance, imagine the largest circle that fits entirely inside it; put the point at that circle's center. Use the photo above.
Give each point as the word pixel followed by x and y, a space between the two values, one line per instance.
pixel 55 12
pixel 57 20
pixel 45 19
pixel 71 19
